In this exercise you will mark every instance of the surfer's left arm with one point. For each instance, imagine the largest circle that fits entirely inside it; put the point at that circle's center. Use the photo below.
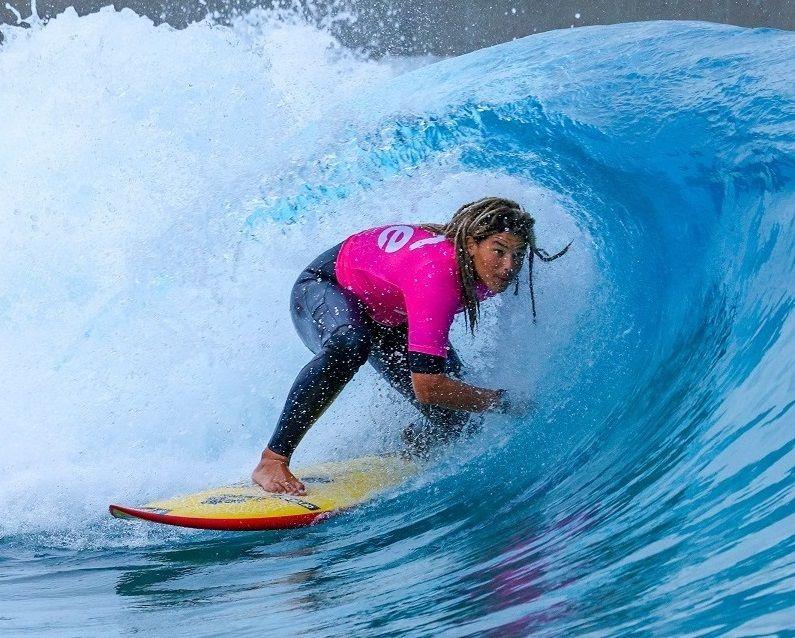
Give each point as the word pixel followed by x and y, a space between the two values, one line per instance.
pixel 444 391
pixel 431 308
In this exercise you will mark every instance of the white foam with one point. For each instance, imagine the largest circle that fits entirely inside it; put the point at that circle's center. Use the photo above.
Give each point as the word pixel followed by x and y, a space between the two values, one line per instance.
pixel 136 353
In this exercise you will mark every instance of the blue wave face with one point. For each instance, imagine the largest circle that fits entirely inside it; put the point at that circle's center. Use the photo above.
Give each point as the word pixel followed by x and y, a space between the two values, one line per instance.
pixel 652 492
pixel 658 477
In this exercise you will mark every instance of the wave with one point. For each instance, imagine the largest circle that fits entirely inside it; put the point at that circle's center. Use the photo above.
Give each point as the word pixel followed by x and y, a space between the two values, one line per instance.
pixel 181 190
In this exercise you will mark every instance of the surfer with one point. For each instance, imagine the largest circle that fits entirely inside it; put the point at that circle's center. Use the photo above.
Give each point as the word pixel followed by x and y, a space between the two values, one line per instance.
pixel 388 295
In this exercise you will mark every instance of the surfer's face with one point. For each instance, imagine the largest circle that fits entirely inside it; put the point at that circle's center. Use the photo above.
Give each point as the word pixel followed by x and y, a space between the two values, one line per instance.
pixel 498 259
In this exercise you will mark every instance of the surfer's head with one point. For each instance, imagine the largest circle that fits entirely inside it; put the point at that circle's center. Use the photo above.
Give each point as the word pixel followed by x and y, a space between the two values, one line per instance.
pixel 492 236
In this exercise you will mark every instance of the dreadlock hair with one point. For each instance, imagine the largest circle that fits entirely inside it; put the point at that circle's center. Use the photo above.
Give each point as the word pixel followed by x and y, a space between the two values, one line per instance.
pixel 482 219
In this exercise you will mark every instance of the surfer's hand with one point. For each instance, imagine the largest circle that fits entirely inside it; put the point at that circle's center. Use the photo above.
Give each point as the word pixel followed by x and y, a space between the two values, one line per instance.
pixel 273 475
pixel 515 403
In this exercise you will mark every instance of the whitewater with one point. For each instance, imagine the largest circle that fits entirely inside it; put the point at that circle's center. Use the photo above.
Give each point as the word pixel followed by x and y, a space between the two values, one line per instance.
pixel 161 189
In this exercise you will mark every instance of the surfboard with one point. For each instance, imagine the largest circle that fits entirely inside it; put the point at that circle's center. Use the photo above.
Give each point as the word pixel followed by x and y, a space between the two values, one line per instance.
pixel 330 488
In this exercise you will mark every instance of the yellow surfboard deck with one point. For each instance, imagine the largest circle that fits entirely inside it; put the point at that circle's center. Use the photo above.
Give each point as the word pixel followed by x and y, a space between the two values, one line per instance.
pixel 330 487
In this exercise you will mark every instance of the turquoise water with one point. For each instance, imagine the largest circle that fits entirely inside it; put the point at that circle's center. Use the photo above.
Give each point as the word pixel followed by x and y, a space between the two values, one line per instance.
pixel 163 190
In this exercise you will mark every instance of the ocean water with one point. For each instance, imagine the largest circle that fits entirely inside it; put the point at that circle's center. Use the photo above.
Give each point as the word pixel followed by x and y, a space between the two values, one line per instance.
pixel 160 191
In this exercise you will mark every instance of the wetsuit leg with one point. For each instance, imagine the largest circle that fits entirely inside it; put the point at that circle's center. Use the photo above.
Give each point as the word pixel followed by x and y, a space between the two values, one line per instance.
pixel 389 356
pixel 332 323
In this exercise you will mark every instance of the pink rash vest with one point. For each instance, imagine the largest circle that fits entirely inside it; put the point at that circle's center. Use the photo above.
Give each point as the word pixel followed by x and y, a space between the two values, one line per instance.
pixel 406 274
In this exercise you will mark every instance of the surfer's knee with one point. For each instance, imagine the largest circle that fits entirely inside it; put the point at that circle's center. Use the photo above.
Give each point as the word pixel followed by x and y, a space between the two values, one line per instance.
pixel 350 345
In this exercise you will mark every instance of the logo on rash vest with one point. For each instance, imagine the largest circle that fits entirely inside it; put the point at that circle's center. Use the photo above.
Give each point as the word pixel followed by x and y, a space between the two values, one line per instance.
pixel 394 238
pixel 428 241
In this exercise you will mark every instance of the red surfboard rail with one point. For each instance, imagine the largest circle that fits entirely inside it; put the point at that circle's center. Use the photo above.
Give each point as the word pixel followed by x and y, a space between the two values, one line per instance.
pixel 221 524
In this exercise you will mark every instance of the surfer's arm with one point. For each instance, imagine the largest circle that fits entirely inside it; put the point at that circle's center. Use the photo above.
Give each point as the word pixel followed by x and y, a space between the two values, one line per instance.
pixel 441 390
pixel 432 299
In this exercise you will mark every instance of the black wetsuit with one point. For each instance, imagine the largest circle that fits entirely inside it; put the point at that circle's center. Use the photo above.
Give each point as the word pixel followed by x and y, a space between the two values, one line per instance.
pixel 334 324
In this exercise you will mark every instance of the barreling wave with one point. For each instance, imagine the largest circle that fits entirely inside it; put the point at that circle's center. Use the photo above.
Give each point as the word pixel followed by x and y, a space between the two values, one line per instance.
pixel 652 491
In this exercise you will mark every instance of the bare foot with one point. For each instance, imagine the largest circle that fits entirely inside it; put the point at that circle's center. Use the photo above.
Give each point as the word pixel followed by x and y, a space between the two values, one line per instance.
pixel 273 475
